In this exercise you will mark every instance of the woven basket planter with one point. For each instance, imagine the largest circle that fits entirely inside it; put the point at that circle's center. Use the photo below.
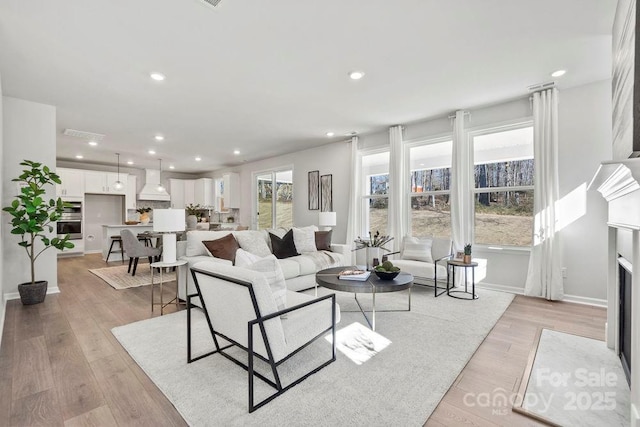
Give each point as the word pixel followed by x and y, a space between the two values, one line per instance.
pixel 32 293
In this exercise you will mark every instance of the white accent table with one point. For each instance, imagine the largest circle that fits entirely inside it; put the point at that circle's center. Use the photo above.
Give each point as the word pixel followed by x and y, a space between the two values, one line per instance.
pixel 162 265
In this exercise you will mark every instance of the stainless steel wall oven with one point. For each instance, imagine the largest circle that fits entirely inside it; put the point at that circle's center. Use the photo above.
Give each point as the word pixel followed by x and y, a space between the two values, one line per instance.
pixel 71 221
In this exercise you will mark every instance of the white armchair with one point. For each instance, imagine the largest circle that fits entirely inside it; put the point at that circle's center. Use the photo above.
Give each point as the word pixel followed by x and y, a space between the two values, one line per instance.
pixel 240 308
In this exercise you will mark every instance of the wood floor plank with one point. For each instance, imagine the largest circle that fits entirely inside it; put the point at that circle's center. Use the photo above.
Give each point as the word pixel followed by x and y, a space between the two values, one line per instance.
pixel 40 409
pixel 99 417
pixel 31 368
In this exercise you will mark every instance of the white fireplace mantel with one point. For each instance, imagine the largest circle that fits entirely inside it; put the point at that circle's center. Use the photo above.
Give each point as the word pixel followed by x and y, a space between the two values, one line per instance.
pixel 619 184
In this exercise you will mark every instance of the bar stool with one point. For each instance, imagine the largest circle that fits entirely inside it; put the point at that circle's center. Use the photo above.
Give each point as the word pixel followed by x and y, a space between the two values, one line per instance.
pixel 145 239
pixel 115 239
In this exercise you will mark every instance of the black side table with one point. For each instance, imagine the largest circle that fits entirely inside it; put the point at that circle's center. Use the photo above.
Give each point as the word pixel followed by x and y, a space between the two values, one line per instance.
pixel 453 264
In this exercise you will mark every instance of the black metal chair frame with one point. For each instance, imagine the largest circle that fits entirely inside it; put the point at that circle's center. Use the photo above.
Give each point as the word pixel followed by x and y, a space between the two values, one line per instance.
pixel 435 274
pixel 259 321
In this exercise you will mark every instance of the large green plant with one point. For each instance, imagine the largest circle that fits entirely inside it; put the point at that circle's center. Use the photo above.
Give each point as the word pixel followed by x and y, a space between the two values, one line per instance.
pixel 32 216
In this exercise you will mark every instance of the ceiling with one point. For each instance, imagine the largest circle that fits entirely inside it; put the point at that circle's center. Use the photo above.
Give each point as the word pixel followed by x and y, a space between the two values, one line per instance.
pixel 270 77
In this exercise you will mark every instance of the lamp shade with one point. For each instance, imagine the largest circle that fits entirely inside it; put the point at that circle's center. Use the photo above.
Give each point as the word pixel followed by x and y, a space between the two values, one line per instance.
pixel 168 220
pixel 327 219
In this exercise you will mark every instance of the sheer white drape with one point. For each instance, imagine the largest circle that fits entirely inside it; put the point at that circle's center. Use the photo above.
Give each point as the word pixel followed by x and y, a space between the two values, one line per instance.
pixel 544 278
pixel 355 205
pixel 461 186
pixel 397 186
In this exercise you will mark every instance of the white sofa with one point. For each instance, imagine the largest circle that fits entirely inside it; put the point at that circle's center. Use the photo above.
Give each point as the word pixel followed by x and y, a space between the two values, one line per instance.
pixel 299 271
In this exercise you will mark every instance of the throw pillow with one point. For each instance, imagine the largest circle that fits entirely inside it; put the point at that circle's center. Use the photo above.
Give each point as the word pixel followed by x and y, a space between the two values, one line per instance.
pixel 305 239
pixel 323 240
pixel 270 267
pixel 244 258
pixel 252 241
pixel 283 247
pixel 224 247
pixel 418 249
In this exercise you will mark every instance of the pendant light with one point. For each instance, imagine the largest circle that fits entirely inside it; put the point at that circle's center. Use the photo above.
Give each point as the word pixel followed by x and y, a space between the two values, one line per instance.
pixel 118 185
pixel 160 187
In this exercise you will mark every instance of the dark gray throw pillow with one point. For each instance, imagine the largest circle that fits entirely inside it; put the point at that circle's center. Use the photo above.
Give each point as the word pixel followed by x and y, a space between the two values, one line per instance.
pixel 283 247
pixel 323 240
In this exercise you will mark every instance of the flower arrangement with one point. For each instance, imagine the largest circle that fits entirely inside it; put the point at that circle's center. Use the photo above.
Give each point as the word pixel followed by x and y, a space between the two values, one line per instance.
pixel 143 210
pixel 375 240
pixel 192 209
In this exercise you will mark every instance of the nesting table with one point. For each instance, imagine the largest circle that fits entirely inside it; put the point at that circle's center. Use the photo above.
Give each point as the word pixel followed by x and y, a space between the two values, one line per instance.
pixel 162 265
pixel 452 264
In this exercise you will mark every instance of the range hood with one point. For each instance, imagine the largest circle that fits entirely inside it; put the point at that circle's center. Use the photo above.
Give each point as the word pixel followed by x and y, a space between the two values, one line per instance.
pixel 150 189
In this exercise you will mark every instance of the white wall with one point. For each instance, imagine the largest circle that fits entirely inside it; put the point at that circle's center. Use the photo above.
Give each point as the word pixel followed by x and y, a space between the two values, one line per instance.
pixel 329 159
pixel 29 132
pixel 2 278
pixel 585 141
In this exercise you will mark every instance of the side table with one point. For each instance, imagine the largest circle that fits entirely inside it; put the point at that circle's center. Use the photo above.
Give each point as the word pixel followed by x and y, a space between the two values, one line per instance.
pixel 162 265
pixel 452 265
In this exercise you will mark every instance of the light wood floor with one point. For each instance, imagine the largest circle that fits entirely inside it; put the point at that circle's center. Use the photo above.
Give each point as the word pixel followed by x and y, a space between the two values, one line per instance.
pixel 60 364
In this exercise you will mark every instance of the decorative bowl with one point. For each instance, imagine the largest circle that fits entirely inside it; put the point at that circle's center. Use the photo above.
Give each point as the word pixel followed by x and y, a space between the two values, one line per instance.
pixel 131 222
pixel 387 275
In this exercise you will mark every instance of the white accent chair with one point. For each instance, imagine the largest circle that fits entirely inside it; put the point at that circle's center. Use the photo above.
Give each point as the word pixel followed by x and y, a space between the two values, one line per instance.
pixel 240 308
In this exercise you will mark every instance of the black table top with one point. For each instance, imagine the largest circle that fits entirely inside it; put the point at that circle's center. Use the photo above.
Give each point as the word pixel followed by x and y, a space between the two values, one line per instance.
pixel 329 279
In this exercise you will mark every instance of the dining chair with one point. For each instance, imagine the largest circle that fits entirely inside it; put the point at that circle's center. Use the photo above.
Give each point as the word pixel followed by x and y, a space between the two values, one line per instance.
pixel 134 249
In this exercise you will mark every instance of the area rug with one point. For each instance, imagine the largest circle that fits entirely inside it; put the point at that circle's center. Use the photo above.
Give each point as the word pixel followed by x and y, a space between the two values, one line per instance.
pixel 118 278
pixel 400 384
pixel 576 381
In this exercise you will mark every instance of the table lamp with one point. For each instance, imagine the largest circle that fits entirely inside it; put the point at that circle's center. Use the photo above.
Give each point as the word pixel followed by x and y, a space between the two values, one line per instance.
pixel 168 221
pixel 327 220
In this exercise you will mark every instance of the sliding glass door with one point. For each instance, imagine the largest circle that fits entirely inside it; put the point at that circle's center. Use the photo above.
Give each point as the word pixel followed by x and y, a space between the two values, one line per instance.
pixel 274 199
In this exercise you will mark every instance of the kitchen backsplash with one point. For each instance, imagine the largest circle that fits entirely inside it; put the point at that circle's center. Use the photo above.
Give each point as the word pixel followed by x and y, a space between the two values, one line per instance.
pixel 132 215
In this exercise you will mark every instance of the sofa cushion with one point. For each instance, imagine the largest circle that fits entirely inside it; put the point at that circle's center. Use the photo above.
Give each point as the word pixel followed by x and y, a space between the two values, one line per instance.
pixel 290 268
pixel 305 239
pixel 252 241
pixel 224 247
pixel 417 248
pixel 244 258
pixel 283 247
pixel 195 238
pixel 272 272
pixel 323 240
pixel 421 268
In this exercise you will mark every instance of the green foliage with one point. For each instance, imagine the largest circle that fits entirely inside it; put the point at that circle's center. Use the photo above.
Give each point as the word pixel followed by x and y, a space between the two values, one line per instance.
pixel 32 216
pixel 467 249
pixel 192 209
pixel 143 209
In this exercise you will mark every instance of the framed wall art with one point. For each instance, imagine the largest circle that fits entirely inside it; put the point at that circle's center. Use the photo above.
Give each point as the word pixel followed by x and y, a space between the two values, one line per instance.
pixel 326 193
pixel 314 190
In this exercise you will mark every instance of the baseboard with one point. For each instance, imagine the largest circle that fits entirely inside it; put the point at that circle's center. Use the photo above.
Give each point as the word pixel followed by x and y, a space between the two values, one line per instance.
pixel 596 302
pixel 16 295
pixel 501 288
pixel 3 314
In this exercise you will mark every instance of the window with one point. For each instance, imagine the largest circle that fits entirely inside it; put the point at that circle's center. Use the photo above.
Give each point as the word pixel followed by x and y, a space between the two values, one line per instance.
pixel 375 199
pixel 430 166
pixel 503 172
pixel 275 208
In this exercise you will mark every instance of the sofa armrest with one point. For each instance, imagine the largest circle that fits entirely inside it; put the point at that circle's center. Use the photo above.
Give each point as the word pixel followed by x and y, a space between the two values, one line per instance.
pixel 341 249
pixel 181 249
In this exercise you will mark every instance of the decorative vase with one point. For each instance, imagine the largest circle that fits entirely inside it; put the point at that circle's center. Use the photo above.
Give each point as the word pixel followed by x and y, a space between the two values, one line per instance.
pixel 372 252
pixel 32 293
pixel 192 222
pixel 466 259
pixel 144 218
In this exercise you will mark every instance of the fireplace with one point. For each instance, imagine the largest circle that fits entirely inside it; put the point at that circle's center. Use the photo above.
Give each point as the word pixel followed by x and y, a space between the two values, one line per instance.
pixel 624 336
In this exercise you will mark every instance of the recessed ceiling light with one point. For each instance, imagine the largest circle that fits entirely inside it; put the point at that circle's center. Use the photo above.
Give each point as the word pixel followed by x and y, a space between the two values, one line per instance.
pixel 558 73
pixel 171 167
pixel 356 75
pixel 79 156
pixel 236 152
pixel 159 138
pixel 152 152
pixel 157 76
pixel 198 159
pixel 93 143
pixel 130 162
pixel 330 134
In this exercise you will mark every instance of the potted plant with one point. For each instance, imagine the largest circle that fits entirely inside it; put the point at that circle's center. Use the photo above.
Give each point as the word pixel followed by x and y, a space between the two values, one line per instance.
pixel 467 254
pixel 32 218
pixel 192 215
pixel 144 214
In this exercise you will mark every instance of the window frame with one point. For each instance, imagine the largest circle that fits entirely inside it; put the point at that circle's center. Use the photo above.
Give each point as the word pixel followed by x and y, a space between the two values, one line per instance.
pixel 486 130
pixel 254 188
pixel 364 224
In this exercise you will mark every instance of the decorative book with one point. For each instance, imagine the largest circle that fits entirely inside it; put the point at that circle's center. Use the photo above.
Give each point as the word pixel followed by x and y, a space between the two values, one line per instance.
pixel 360 275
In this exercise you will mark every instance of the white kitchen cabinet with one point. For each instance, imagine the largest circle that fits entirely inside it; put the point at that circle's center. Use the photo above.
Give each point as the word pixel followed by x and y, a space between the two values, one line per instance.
pixel 72 183
pixel 130 197
pixel 189 191
pixel 176 191
pixel 231 190
pixel 103 183
pixel 203 192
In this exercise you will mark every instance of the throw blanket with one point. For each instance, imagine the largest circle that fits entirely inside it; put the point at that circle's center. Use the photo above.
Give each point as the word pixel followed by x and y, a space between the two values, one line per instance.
pixel 324 259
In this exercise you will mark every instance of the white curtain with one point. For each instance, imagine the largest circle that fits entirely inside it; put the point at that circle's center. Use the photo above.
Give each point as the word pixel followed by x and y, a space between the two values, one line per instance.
pixel 461 186
pixel 355 205
pixel 397 187
pixel 544 278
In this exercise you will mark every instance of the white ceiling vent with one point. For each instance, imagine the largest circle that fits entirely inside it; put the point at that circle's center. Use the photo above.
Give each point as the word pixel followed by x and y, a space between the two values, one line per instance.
pixel 84 135
pixel 541 86
pixel 213 3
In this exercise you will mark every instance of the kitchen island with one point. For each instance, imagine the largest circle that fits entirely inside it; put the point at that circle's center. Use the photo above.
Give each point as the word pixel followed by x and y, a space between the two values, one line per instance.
pixel 114 230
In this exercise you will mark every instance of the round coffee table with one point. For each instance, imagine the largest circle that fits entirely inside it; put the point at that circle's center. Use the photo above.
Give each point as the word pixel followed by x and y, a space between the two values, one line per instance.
pixel 329 279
